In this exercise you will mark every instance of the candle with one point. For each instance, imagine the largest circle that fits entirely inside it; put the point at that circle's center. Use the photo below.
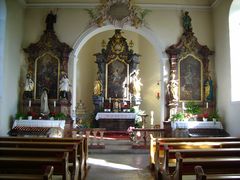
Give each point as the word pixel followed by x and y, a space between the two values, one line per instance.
pixel 207 105
pixel 152 118
pixel 183 106
pixel 29 103
pixel 54 103
pixel 109 100
pixel 102 99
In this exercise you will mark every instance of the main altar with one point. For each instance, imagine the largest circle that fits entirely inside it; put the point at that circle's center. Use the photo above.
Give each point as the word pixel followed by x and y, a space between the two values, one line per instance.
pixel 115 121
pixel 117 87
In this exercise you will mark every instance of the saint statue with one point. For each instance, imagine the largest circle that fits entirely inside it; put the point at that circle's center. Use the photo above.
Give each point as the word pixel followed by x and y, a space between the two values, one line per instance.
pixel 64 86
pixel 28 86
pixel 50 20
pixel 97 91
pixel 173 88
pixel 44 103
pixel 187 25
pixel 208 86
pixel 136 84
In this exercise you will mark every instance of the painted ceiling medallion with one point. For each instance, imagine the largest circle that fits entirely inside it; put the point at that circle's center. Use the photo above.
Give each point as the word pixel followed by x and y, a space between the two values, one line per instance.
pixel 118 13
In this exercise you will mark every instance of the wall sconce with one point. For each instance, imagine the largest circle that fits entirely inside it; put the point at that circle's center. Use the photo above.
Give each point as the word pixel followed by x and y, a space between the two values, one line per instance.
pixel 158 95
pixel 158 91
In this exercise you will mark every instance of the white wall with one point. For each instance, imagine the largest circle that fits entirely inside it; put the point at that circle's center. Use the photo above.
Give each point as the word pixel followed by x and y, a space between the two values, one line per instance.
pixel 228 109
pixel 11 66
pixel 3 12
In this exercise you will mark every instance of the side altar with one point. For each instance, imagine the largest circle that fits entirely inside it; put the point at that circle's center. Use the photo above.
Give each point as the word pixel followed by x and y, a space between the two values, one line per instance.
pixel 115 121
pixel 46 91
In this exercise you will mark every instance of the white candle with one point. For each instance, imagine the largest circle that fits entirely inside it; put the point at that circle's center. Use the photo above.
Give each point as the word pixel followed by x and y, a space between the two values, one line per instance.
pixel 102 99
pixel 207 105
pixel 29 103
pixel 152 118
pixel 109 100
pixel 54 103
pixel 183 106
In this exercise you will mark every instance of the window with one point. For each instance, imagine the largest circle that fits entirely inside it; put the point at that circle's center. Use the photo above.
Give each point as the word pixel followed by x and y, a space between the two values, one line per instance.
pixel 234 34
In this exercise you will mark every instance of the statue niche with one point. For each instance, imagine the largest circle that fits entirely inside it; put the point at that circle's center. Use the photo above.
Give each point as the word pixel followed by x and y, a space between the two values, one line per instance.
pixel 116 63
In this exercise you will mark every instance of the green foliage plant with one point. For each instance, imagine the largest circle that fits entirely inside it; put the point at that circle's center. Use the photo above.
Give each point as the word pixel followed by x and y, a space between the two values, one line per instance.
pixel 178 116
pixel 192 108
pixel 214 115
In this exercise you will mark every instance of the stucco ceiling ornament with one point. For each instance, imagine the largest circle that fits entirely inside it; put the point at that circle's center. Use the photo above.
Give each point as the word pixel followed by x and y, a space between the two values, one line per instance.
pixel 118 13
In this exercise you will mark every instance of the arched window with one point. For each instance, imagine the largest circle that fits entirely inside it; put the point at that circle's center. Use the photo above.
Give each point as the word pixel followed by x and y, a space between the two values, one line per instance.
pixel 234 34
pixel 2 39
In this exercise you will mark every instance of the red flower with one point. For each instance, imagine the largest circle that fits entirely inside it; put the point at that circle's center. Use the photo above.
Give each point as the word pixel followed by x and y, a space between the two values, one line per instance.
pixel 33 114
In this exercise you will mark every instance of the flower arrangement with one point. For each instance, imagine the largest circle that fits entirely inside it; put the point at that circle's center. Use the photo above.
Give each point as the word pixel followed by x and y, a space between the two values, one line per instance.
pixel 130 132
pixel 33 114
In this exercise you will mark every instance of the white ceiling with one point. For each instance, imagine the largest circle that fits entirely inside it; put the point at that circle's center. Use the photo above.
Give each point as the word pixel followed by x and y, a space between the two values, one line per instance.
pixel 195 3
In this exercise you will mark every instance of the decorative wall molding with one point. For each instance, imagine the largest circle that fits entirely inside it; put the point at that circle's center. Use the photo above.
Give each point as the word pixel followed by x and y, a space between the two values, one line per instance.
pixel 145 6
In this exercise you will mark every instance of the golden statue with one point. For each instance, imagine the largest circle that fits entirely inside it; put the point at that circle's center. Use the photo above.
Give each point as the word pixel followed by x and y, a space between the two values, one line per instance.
pixel 97 91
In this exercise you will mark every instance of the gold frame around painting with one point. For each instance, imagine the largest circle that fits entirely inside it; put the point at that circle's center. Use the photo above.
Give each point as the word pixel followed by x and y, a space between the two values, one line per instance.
pixel 183 90
pixel 121 76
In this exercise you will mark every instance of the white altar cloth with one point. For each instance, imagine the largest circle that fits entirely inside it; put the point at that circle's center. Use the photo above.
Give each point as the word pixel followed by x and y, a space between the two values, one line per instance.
pixel 196 124
pixel 115 115
pixel 40 123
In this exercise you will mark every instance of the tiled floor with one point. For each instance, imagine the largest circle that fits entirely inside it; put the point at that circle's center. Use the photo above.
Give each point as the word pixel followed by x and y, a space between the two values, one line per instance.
pixel 118 162
pixel 118 167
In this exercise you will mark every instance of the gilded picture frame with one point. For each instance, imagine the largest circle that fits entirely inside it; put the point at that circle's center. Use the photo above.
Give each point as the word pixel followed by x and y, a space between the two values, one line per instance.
pixel 190 75
pixel 47 72
pixel 117 79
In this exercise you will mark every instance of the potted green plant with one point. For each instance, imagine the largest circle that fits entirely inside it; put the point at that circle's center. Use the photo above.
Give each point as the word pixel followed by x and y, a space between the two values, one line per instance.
pixel 60 116
pixel 192 109
pixel 20 116
pixel 177 117
pixel 214 116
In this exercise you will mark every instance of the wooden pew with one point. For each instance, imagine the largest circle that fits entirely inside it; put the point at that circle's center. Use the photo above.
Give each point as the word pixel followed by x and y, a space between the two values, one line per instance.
pixel 200 175
pixel 33 163
pixel 157 143
pixel 187 143
pixel 69 147
pixel 160 141
pixel 12 175
pixel 213 160
pixel 82 151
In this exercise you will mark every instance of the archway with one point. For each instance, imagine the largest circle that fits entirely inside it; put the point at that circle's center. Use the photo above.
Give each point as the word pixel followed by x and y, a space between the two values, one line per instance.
pixel 92 31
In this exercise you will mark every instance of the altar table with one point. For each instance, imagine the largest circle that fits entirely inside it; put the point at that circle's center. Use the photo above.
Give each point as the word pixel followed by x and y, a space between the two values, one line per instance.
pixel 40 123
pixel 116 121
pixel 196 125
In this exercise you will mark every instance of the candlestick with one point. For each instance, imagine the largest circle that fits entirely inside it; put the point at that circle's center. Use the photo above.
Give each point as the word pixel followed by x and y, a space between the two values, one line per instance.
pixel 29 103
pixel 54 103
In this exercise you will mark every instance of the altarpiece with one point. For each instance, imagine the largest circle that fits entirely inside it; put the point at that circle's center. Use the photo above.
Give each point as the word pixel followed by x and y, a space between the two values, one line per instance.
pixel 47 64
pixel 189 71
pixel 117 64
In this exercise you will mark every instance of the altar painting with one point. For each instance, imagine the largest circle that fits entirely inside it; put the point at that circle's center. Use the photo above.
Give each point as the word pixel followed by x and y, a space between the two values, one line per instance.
pixel 47 76
pixel 190 75
pixel 117 79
